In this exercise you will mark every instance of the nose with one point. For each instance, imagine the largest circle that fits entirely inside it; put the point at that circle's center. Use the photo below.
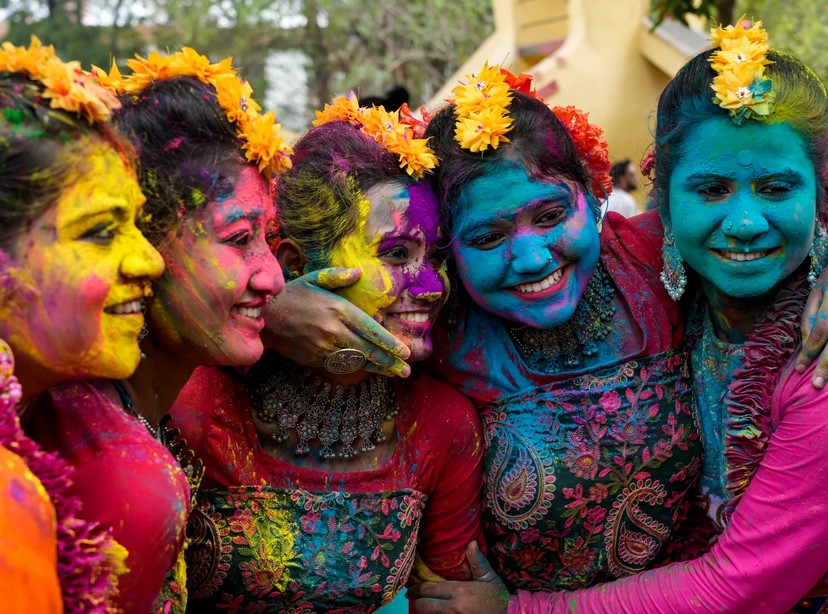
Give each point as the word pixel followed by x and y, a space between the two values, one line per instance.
pixel 267 277
pixel 142 260
pixel 746 220
pixel 528 254
pixel 428 285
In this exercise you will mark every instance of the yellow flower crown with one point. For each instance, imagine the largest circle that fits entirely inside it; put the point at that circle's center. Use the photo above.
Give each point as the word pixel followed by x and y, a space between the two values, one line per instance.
pixel 65 85
pixel 396 134
pixel 259 132
pixel 481 110
pixel 740 85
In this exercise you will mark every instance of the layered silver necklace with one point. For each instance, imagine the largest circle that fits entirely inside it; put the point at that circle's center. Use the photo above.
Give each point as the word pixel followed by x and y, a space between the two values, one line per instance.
pixel 345 421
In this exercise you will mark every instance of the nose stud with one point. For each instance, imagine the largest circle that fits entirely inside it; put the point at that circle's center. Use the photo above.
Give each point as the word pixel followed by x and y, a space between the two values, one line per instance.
pixel 729 226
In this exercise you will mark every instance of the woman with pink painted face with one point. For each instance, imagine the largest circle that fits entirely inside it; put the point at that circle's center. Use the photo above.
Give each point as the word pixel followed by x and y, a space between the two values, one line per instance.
pixel 73 270
pixel 321 483
pixel 208 207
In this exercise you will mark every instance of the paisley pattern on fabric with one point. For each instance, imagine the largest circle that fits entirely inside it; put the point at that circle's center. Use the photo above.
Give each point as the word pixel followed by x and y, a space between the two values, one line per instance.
pixel 259 549
pixel 586 477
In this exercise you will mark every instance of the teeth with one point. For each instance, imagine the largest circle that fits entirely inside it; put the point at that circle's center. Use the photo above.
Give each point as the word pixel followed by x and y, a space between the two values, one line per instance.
pixel 742 256
pixel 249 312
pixel 412 316
pixel 126 308
pixel 537 286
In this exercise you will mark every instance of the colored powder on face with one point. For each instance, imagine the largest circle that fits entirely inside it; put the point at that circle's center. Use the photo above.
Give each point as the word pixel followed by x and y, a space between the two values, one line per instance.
pixel 373 290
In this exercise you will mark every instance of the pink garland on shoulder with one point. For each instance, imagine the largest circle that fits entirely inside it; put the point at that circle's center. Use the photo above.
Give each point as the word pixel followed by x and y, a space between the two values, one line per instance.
pixel 83 566
pixel 748 399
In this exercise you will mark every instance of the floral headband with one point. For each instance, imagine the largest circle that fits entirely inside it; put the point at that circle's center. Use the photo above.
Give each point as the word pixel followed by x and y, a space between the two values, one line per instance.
pixel 259 132
pixel 65 85
pixel 740 85
pixel 399 132
pixel 481 108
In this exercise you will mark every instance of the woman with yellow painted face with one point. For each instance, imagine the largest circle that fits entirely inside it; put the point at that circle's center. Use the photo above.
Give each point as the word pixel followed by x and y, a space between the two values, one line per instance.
pixel 73 270
pixel 206 156
pixel 321 483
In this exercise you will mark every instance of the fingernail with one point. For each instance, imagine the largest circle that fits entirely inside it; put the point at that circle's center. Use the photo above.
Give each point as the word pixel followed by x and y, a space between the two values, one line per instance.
pixel 800 368
pixel 819 382
pixel 406 371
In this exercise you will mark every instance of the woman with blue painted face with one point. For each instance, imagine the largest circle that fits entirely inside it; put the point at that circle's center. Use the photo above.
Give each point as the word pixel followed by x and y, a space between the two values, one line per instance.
pixel 741 170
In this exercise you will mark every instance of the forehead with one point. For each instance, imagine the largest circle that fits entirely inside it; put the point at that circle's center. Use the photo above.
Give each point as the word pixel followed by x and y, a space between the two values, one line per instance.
pixel 250 199
pixel 715 145
pixel 394 206
pixel 504 190
pixel 103 182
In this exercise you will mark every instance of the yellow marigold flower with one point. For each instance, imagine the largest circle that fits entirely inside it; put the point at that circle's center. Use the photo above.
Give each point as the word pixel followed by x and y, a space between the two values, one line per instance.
pixel 489 88
pixel 262 141
pixel 740 53
pixel 383 126
pixel 341 109
pixel 189 63
pixel 236 98
pixel 755 33
pixel 146 71
pixel 416 157
pixel 112 81
pixel 479 131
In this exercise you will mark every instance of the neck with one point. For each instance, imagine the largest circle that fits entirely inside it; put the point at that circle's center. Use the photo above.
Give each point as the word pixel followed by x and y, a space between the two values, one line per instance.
pixel 159 378
pixel 734 319
pixel 33 378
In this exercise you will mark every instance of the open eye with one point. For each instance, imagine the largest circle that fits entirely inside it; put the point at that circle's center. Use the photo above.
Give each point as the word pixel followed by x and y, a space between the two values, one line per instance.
pixel 240 239
pixel 713 191
pixel 776 189
pixel 102 233
pixel 395 255
pixel 551 216
pixel 490 240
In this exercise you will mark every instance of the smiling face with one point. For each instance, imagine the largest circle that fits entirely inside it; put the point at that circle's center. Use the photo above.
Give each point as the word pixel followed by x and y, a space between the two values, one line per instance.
pixel 79 273
pixel 525 249
pixel 743 205
pixel 403 284
pixel 220 274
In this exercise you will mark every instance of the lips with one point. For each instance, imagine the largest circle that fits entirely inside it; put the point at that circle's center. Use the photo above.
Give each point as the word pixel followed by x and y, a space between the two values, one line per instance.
pixel 742 256
pixel 412 316
pixel 249 310
pixel 126 308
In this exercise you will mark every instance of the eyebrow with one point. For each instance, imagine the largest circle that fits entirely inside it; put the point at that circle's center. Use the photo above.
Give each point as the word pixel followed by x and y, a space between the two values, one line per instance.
pixel 119 211
pixel 761 172
pixel 236 214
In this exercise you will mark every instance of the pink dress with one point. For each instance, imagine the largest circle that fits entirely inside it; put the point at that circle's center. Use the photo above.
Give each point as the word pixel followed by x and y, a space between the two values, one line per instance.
pixel 126 480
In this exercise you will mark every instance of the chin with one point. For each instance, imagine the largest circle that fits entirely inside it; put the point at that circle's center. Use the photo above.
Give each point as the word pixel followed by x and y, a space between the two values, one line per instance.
pixel 239 354
pixel 420 348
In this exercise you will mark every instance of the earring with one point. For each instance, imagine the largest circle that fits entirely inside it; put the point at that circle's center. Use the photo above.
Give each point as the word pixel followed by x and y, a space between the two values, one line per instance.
pixel 818 253
pixel 673 277
pixel 144 330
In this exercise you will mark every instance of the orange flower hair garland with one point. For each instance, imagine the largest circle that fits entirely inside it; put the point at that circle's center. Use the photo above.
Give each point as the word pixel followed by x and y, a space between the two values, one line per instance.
pixel 259 132
pixel 740 85
pixel 65 85
pixel 481 108
pixel 397 131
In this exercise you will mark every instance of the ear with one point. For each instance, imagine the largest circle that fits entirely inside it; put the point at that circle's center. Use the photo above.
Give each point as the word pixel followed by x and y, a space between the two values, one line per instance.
pixel 291 258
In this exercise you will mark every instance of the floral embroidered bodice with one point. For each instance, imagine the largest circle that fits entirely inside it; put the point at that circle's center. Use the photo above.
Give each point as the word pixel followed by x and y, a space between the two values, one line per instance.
pixel 587 477
pixel 259 549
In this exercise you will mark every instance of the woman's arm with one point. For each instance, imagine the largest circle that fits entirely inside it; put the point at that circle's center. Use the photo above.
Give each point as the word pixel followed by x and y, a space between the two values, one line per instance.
pixel 307 322
pixel 772 552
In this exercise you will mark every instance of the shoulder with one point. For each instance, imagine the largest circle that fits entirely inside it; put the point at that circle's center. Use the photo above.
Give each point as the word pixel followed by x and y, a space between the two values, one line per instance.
pixel 796 398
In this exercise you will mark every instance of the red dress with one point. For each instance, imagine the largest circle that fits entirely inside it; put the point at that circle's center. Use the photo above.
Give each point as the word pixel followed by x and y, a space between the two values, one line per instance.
pixel 126 480
pixel 268 535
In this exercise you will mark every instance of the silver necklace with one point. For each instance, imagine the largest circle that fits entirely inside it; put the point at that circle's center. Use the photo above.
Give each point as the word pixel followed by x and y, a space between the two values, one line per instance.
pixel 337 417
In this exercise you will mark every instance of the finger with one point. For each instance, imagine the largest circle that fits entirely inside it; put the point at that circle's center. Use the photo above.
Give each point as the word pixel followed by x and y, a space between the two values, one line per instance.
pixel 332 278
pixel 809 318
pixel 820 375
pixel 480 568
pixel 432 590
pixel 371 330
pixel 815 342
pixel 377 359
pixel 430 606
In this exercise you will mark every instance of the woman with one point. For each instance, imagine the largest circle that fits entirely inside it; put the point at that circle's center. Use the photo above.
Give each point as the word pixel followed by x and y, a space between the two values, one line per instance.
pixel 740 179
pixel 73 265
pixel 206 157
pixel 320 483
pixel 565 340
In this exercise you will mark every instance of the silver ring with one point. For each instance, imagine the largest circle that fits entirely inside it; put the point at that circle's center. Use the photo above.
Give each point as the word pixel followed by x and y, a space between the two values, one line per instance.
pixel 345 361
pixel 488 576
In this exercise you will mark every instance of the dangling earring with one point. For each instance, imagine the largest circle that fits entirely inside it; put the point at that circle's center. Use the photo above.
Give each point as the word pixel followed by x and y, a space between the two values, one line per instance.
pixel 673 276
pixel 818 253
pixel 144 330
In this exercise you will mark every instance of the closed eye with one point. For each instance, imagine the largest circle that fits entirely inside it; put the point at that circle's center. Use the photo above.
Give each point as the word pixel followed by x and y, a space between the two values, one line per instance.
pixel 102 233
pixel 239 239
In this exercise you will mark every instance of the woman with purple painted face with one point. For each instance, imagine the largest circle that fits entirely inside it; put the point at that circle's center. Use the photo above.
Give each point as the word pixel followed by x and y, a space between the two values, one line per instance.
pixel 321 483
